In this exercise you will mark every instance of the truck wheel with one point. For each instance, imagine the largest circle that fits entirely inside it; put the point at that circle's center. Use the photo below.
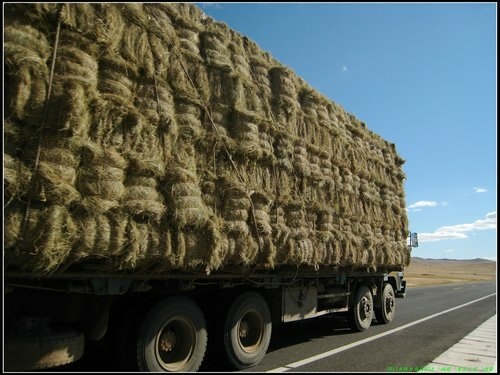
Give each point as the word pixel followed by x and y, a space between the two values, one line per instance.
pixel 172 337
pixel 362 311
pixel 385 313
pixel 247 331
pixel 41 352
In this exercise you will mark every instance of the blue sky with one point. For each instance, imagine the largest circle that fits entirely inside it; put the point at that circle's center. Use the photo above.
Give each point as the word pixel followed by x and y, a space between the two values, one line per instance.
pixel 423 76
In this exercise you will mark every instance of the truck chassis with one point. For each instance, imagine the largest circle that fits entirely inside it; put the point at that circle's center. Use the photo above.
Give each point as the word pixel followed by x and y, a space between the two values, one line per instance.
pixel 170 322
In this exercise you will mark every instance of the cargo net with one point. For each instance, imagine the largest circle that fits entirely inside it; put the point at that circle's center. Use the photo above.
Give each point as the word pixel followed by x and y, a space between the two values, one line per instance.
pixel 150 137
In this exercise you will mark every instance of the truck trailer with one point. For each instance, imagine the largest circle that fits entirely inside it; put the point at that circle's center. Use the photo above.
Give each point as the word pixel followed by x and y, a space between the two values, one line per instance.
pixel 171 191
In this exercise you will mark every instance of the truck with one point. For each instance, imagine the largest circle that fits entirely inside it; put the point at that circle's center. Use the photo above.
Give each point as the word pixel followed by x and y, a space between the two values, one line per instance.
pixel 171 192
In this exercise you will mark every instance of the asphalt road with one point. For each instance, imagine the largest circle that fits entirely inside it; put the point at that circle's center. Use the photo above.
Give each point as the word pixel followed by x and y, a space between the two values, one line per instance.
pixel 427 323
pixel 412 346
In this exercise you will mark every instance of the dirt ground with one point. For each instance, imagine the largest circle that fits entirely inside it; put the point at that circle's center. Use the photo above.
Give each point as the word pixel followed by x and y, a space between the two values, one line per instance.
pixel 445 271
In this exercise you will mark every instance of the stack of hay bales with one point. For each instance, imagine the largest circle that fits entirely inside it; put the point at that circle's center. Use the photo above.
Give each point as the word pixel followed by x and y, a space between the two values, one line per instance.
pixel 149 137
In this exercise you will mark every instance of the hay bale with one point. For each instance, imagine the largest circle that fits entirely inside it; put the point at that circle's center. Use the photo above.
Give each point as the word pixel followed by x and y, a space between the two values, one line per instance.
pixel 13 222
pixel 184 193
pixel 47 241
pixel 56 183
pixel 159 22
pixel 54 178
pixel 16 178
pixel 26 51
pixel 239 58
pixel 116 75
pixel 95 237
pixel 154 106
pixel 80 17
pixel 189 42
pixel 214 49
pixel 181 85
pixel 282 82
pixel 143 245
pixel 100 179
pixel 112 121
pixel 34 41
pixel 141 201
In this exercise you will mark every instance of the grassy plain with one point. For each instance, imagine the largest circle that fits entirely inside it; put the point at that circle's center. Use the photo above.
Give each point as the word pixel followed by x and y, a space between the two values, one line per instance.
pixel 422 272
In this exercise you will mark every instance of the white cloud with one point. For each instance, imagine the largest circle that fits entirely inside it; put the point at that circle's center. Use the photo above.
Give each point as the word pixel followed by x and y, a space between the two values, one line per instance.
pixel 440 235
pixel 480 190
pixel 451 232
pixel 423 204
pixel 444 203
pixel 449 251
pixel 344 69
pixel 492 216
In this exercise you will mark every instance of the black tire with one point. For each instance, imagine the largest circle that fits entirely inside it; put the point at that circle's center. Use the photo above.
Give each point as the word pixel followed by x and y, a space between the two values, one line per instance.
pixel 385 313
pixel 247 331
pixel 123 332
pixel 216 320
pixel 361 313
pixel 172 337
pixel 42 352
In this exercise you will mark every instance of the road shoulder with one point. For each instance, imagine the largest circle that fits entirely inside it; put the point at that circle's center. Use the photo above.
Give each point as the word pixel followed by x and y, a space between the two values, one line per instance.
pixel 476 352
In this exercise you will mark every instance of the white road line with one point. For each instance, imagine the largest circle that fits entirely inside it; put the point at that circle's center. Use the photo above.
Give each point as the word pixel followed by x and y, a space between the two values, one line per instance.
pixel 368 339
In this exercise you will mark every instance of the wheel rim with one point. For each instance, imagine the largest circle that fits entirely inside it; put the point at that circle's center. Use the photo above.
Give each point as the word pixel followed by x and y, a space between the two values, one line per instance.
pixel 250 331
pixel 389 304
pixel 175 343
pixel 365 308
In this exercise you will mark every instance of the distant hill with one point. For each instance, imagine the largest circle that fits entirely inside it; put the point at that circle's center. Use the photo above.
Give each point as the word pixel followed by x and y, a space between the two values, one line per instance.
pixel 444 260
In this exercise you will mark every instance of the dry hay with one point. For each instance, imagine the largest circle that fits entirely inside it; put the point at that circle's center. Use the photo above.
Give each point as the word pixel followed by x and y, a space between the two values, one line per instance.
pixel 100 178
pixel 45 243
pixel 159 23
pixel 141 200
pixel 215 51
pixel 142 197
pixel 26 51
pixel 101 236
pixel 184 194
pixel 143 240
pixel 172 142
pixel 16 177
